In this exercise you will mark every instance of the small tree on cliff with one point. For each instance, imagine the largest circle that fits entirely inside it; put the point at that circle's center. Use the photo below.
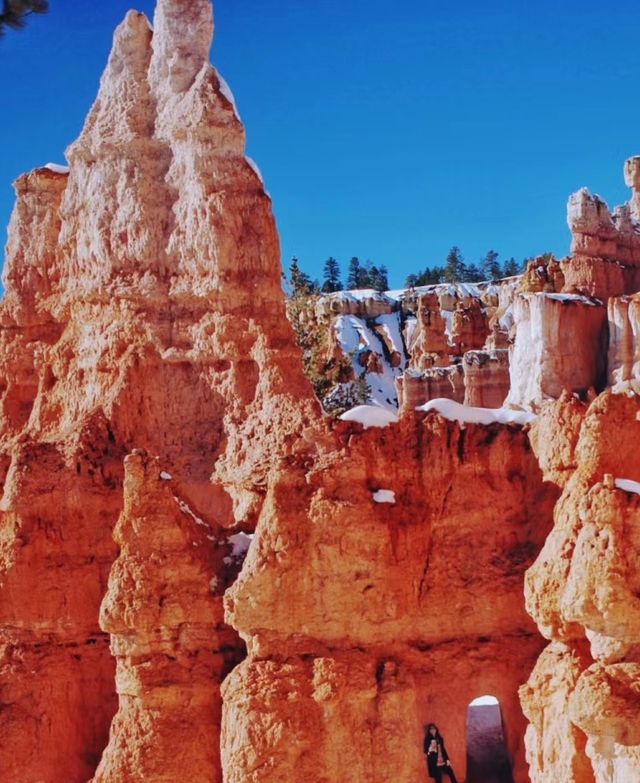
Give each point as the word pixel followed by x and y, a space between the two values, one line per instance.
pixel 300 282
pixel 15 12
pixel 331 276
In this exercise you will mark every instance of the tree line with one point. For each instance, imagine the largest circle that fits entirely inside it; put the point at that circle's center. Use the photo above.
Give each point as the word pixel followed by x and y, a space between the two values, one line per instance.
pixel 369 275
pixel 359 275
pixel 455 270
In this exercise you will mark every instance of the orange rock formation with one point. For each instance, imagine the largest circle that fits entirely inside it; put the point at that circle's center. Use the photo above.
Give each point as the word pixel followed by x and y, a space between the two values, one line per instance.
pixel 153 414
pixel 128 323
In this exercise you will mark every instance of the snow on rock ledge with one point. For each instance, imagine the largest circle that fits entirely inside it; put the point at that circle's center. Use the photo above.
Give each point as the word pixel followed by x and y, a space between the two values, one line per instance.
pixel 465 414
pixel 627 485
pixel 370 416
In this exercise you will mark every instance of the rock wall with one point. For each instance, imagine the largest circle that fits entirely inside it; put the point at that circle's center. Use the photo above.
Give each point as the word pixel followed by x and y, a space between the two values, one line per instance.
pixel 384 583
pixel 583 697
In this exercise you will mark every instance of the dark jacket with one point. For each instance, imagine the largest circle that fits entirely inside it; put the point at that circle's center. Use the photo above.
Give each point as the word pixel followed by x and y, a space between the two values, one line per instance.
pixel 432 758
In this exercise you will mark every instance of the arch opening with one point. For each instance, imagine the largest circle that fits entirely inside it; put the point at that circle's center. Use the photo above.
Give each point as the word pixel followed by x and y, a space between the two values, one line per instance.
pixel 487 755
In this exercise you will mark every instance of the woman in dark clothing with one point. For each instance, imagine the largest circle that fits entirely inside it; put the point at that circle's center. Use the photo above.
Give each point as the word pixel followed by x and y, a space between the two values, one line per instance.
pixel 438 762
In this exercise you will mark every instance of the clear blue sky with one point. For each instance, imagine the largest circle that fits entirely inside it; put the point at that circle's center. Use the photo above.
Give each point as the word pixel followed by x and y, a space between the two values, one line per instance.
pixel 387 130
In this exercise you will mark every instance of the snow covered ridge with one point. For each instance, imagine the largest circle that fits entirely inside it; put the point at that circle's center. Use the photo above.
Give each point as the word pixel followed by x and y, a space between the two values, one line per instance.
pixel 568 298
pixel 465 414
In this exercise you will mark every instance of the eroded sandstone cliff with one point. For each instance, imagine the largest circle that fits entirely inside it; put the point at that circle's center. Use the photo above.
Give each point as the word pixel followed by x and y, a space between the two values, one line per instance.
pixel 154 414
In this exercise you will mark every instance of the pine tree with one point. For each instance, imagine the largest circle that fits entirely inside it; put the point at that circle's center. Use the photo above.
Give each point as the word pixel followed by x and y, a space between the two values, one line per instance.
pixel 331 276
pixel 383 278
pixel 14 12
pixel 473 274
pixel 353 274
pixel 377 278
pixel 411 281
pixel 455 268
pixel 511 267
pixel 491 266
pixel 299 281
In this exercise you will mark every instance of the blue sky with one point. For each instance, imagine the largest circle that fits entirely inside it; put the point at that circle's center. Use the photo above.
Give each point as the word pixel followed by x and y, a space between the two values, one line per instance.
pixel 390 131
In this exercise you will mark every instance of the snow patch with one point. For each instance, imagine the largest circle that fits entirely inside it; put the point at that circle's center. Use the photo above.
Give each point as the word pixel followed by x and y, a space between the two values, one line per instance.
pixel 165 476
pixel 370 416
pixel 57 168
pixel 384 496
pixel 627 485
pixel 226 92
pixel 240 543
pixel 466 414
pixel 186 509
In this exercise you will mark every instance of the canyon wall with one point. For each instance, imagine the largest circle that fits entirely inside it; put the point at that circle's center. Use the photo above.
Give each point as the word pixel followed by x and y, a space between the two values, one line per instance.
pixel 386 597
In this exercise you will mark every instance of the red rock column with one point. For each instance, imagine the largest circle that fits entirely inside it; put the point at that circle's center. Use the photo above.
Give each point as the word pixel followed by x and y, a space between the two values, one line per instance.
pixel 163 609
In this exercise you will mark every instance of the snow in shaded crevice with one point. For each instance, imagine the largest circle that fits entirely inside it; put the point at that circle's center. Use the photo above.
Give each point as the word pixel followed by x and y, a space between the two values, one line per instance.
pixel 370 416
pixel 240 543
pixel 355 337
pixel 466 414
pixel 384 496
pixel 627 485
pixel 186 509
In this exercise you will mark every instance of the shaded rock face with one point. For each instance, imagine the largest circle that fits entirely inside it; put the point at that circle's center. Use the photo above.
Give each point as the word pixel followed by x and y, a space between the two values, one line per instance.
pixel 583 593
pixel 129 322
pixel 346 604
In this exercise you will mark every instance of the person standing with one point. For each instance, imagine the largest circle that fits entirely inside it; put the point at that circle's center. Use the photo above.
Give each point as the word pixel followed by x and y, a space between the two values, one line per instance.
pixel 438 763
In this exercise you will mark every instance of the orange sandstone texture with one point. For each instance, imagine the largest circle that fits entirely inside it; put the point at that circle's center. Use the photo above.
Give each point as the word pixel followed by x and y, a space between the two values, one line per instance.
pixel 365 619
pixel 583 593
pixel 143 310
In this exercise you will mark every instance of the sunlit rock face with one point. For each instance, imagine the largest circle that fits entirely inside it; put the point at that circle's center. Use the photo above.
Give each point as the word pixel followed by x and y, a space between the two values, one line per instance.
pixel 605 246
pixel 583 593
pixel 143 310
pixel 377 576
pixel 560 345
pixel 154 413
